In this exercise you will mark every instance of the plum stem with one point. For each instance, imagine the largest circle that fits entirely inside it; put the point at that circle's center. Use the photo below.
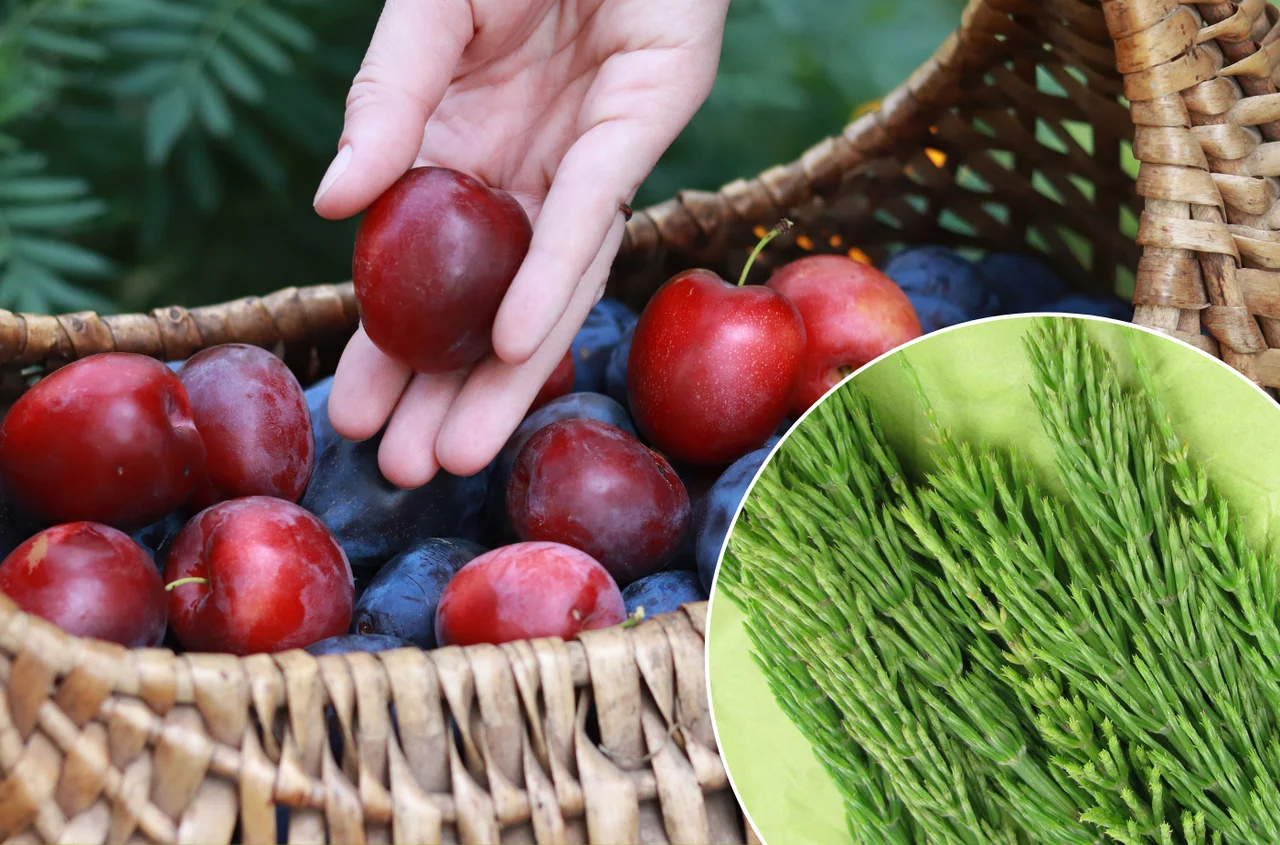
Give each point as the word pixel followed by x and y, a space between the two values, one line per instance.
pixel 783 225
pixel 181 581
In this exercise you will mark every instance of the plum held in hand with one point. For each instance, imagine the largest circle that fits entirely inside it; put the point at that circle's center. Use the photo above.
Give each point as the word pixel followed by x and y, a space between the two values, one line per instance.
pixel 434 257
pixel 253 417
pixel 714 367
pixel 852 315
pixel 91 581
pixel 257 575
pixel 526 591
pixel 109 438
pixel 401 600
pixel 373 519
pixel 594 487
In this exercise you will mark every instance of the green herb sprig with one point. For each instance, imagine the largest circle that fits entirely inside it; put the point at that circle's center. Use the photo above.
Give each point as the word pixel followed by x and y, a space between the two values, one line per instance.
pixel 976 659
pixel 822 563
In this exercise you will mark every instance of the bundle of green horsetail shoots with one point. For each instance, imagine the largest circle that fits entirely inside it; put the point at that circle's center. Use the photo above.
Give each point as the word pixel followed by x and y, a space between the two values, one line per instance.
pixel 976 658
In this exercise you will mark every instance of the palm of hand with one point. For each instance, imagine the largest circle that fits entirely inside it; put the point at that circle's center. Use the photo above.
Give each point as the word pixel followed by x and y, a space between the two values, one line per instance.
pixel 544 74
pixel 567 106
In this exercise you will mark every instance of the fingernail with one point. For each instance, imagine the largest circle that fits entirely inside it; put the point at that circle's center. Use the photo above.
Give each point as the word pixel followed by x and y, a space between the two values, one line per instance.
pixel 336 169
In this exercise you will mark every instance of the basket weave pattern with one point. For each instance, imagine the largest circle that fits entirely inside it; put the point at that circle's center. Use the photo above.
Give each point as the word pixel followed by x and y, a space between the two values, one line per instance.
pixel 1014 136
pixel 482 744
pixel 1205 110
pixel 1011 138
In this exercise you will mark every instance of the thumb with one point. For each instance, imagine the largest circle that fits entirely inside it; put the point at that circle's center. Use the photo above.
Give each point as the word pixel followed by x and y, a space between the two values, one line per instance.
pixel 411 60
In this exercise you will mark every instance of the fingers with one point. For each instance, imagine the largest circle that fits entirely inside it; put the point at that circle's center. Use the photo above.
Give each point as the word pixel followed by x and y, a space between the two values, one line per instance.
pixel 365 388
pixel 497 394
pixel 602 169
pixel 637 105
pixel 407 454
pixel 410 62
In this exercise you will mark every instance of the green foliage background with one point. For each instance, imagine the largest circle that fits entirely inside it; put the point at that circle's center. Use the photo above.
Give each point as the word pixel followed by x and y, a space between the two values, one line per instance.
pixel 166 151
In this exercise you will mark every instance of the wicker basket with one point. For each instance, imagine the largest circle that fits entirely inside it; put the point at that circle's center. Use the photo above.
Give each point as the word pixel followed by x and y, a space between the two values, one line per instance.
pixel 1014 136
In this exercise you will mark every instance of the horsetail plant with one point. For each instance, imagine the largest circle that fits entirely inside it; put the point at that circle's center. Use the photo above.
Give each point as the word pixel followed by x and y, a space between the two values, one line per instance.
pixel 821 562
pixel 977 659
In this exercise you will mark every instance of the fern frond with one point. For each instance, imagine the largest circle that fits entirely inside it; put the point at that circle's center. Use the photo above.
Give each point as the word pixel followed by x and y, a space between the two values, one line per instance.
pixel 192 63
pixel 43 46
pixel 36 263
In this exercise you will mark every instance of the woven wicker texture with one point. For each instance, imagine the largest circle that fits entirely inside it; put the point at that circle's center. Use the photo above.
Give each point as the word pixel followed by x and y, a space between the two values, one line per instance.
pixel 1019 134
pixel 606 739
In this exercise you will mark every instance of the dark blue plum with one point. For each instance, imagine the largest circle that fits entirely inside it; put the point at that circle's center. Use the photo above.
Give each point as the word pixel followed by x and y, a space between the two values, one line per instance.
pixel 615 375
pixel 698 483
pixel 939 273
pixel 587 406
pixel 663 592
pixel 157 537
pixel 936 313
pixel 715 516
pixel 363 576
pixel 348 643
pixel 1021 282
pixel 282 824
pixel 15 527
pixel 318 403
pixel 608 321
pixel 1097 305
pixel 687 559
pixel 373 519
pixel 590 406
pixel 401 600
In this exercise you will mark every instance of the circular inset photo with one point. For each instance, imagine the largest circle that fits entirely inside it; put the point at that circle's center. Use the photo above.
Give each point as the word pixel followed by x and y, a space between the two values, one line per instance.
pixel 1012 583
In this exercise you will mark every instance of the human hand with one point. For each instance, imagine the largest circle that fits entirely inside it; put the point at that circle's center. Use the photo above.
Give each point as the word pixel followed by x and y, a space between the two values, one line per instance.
pixel 567 106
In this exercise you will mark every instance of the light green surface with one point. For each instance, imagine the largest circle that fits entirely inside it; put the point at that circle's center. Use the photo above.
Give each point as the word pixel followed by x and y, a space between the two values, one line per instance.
pixel 977 378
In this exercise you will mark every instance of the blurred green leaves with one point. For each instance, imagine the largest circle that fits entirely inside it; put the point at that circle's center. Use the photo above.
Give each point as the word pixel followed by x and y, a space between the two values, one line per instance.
pixel 162 151
pixel 191 60
pixel 42 49
pixel 791 73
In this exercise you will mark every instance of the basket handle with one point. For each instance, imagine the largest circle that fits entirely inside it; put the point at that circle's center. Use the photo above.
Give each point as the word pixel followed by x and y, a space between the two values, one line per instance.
pixel 292 318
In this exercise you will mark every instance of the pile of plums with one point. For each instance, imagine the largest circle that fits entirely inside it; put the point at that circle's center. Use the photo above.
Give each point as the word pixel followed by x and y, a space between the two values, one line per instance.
pixel 210 505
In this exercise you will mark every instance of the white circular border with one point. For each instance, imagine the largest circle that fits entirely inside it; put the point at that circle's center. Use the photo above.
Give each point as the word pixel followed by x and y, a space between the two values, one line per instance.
pixel 711 601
